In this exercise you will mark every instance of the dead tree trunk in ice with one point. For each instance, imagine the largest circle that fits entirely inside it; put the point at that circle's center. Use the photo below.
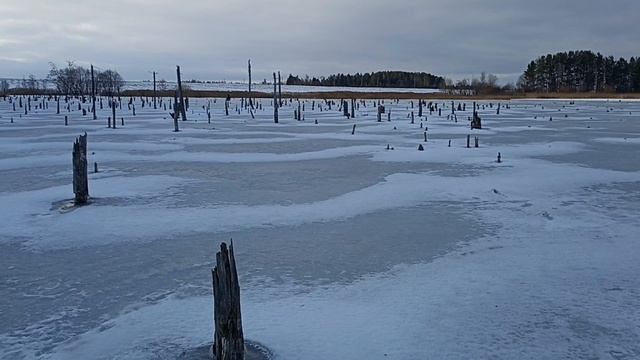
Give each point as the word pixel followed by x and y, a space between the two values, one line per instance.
pixel 80 177
pixel 182 107
pixel 228 335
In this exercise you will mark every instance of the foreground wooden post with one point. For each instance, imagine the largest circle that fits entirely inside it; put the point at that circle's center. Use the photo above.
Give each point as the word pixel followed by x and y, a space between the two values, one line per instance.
pixel 228 335
pixel 80 177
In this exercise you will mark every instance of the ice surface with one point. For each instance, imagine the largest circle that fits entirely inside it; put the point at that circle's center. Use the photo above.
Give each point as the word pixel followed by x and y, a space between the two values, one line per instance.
pixel 345 250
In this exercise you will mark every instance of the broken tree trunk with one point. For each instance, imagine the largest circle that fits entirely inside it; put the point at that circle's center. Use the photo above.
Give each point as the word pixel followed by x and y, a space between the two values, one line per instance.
pixel 228 335
pixel 80 177
pixel 182 107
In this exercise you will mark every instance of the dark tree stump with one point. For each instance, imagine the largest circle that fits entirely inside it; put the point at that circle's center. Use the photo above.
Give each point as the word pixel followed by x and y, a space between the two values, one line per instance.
pixel 228 335
pixel 80 177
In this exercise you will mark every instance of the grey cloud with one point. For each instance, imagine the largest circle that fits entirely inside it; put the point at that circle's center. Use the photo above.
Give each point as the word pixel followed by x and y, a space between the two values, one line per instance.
pixel 213 39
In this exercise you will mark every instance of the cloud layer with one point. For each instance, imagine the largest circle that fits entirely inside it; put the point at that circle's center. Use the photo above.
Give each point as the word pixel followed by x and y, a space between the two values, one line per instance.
pixel 212 39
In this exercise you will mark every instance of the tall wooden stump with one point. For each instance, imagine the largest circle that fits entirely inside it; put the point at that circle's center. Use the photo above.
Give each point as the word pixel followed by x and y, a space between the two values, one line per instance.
pixel 80 177
pixel 228 336
pixel 183 112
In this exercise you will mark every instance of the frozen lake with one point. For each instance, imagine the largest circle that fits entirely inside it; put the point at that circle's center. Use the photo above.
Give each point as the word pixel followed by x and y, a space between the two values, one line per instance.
pixel 345 250
pixel 240 86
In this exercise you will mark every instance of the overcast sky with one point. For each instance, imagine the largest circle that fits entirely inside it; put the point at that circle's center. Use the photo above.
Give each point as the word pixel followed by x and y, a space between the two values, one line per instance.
pixel 212 39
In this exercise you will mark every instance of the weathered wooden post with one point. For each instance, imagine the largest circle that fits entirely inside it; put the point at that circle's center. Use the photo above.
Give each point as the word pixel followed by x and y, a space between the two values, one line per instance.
pixel 182 107
pixel 420 108
pixel 499 157
pixel 468 140
pixel 353 131
pixel 66 120
pixel 80 177
pixel 477 144
pixel 275 100
pixel 227 317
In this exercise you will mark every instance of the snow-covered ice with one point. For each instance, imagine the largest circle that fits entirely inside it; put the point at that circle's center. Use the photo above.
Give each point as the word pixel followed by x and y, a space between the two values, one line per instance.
pixel 345 250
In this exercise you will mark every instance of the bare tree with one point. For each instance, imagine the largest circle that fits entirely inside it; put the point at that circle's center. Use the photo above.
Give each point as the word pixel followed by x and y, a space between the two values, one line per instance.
pixel 109 82
pixel 4 86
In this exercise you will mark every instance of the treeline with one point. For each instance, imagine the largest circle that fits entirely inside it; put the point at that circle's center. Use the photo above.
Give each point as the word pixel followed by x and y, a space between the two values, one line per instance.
pixel 581 71
pixel 396 79
pixel 76 80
